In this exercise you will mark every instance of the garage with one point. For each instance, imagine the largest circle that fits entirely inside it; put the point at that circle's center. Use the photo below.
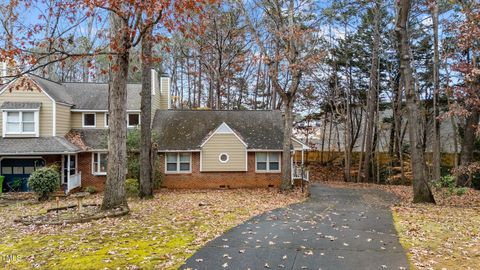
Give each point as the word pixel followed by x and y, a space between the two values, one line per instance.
pixel 17 171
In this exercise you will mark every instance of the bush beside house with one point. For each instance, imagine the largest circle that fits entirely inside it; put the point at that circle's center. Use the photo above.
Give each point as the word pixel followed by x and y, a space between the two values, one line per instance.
pixel 44 181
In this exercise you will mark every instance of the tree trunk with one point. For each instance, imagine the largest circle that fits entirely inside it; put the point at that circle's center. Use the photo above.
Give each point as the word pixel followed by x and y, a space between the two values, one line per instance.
pixel 199 94
pixel 468 146
pixel 146 181
pixel 287 154
pixel 421 189
pixel 436 173
pixel 372 97
pixel 114 195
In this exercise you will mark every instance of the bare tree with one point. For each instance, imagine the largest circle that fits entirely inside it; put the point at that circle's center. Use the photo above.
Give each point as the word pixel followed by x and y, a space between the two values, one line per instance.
pixel 421 189
pixel 372 96
pixel 293 51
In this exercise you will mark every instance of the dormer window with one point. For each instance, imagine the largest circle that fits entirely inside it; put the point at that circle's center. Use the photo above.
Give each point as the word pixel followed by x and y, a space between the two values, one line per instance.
pixel 133 120
pixel 89 120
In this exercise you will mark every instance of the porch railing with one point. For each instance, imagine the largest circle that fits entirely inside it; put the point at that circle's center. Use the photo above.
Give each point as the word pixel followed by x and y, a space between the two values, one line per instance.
pixel 300 172
pixel 74 181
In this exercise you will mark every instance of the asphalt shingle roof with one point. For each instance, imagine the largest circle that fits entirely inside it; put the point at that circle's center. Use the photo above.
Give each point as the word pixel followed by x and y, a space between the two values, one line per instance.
pixel 41 145
pixel 20 105
pixel 186 130
pixel 94 96
pixel 89 139
pixel 55 90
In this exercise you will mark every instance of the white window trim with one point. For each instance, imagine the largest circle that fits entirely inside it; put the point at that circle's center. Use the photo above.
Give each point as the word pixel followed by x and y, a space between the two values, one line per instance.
pixel 83 119
pixel 178 163
pixel 36 119
pixel 268 163
pixel 220 159
pixel 105 117
pixel 128 120
pixel 98 164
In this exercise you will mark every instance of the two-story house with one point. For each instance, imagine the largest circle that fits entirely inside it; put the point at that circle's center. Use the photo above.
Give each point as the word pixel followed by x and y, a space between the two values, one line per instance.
pixel 45 122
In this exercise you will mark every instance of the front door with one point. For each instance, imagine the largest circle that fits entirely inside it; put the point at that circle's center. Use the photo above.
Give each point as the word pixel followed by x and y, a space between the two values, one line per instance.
pixel 17 172
pixel 69 167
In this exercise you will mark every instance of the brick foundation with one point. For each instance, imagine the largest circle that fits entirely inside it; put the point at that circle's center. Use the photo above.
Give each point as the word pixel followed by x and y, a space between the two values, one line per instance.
pixel 197 179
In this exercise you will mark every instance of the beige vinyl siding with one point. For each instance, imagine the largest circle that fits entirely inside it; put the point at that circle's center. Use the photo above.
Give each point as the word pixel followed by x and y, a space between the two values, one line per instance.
pixel 100 120
pixel 77 119
pixel 156 103
pixel 24 95
pixel 63 119
pixel 224 143
pixel 164 90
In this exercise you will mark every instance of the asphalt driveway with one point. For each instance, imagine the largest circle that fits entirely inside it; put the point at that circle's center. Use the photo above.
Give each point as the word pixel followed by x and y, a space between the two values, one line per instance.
pixel 335 229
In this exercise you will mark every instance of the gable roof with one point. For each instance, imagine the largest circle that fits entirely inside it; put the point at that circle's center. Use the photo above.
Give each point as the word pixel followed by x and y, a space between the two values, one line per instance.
pixel 303 145
pixel 223 129
pixel 84 96
pixel 186 130
pixel 94 96
pixel 55 90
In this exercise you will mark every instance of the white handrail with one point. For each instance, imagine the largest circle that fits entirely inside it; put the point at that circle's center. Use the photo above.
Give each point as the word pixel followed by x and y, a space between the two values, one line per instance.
pixel 74 181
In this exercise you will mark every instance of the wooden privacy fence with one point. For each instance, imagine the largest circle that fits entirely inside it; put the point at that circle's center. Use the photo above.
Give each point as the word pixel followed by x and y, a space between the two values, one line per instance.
pixel 336 157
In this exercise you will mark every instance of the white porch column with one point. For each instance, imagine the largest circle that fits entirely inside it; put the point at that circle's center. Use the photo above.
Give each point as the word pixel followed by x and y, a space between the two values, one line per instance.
pixel 292 168
pixel 302 156
pixel 63 169
pixel 68 168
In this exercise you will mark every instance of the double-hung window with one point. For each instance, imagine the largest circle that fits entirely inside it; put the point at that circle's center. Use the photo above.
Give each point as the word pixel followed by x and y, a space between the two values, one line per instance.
pixel 89 120
pixel 178 163
pixel 267 161
pixel 99 163
pixel 133 120
pixel 21 122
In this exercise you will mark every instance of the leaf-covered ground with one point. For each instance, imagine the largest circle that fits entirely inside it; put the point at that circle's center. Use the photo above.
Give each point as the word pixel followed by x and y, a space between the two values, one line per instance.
pixel 159 233
pixel 441 236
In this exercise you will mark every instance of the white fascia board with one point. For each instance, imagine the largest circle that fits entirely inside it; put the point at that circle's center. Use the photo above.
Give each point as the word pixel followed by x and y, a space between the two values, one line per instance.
pixel 304 146
pixel 217 131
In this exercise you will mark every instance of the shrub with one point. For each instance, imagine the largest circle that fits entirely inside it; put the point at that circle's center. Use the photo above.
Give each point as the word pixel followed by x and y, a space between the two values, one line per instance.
pixel 132 187
pixel 44 181
pixel 91 189
pixel 460 191
pixel 133 164
pixel 158 175
pixel 449 182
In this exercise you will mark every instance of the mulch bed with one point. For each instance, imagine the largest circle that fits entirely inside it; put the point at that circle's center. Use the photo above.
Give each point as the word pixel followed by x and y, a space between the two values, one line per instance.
pixel 70 215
